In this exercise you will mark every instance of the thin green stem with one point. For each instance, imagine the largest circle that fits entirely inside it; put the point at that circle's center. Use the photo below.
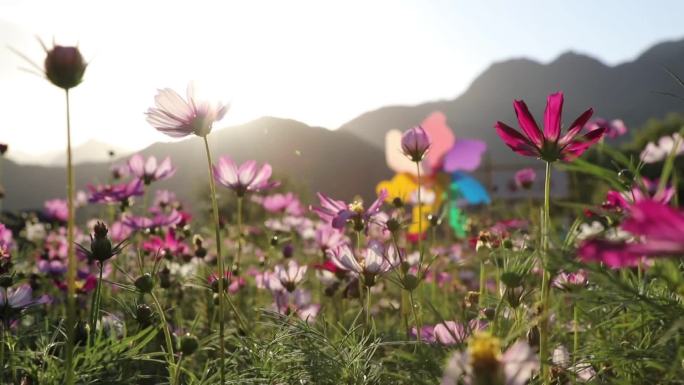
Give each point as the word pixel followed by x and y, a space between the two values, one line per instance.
pixel 178 369
pixel 368 307
pixel 221 266
pixel 2 351
pixel 239 228
pixel 415 315
pixel 483 283
pixel 544 322
pixel 575 333
pixel 71 256
pixel 95 307
pixel 420 218
pixel 167 338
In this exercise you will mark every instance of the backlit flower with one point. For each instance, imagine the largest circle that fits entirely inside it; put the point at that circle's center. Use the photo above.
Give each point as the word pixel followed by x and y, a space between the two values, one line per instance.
pixel 118 193
pixel 290 275
pixel 243 179
pixel 338 213
pixel 548 145
pixel 614 128
pixel 177 117
pixel 657 152
pixel 415 143
pixel 64 66
pixel 149 171
pixel 368 263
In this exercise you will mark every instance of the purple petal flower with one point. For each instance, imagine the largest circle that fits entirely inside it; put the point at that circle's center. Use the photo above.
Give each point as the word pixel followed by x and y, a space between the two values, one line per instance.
pixel 525 178
pixel 548 145
pixel 149 171
pixel 56 209
pixel 115 193
pixel 415 143
pixel 177 117
pixel 245 178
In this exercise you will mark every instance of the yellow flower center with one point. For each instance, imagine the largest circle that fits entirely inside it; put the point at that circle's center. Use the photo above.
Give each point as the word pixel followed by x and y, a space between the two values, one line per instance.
pixel 356 206
pixel 484 351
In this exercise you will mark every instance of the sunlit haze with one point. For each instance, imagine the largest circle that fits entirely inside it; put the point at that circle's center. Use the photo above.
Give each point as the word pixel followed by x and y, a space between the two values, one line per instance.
pixel 319 62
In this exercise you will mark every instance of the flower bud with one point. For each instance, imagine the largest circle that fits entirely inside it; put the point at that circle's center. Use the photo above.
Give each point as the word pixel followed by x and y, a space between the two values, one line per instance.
pixel 143 314
pixel 3 148
pixel 189 344
pixel 415 143
pixel 100 245
pixel 64 66
pixel 393 225
pixel 397 202
pixel 145 283
pixel 288 251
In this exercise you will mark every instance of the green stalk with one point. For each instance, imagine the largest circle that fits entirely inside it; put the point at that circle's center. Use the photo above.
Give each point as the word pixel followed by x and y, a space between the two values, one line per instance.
pixel 95 306
pixel 420 219
pixel 239 226
pixel 221 267
pixel 415 315
pixel 71 257
pixel 483 282
pixel 544 322
pixel 575 330
pixel 167 338
pixel 368 307
pixel 2 351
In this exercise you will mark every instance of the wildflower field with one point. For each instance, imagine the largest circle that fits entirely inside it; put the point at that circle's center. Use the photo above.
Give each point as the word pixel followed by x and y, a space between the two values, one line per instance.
pixel 431 281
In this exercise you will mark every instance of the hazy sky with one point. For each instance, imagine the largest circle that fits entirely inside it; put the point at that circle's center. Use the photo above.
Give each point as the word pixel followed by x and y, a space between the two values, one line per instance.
pixel 321 62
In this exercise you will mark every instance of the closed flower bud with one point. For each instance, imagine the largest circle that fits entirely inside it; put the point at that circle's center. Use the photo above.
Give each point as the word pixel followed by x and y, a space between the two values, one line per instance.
pixel 3 148
pixel 397 202
pixel 393 225
pixel 145 283
pixel 415 143
pixel 188 344
pixel 288 251
pixel 143 314
pixel 100 245
pixel 64 66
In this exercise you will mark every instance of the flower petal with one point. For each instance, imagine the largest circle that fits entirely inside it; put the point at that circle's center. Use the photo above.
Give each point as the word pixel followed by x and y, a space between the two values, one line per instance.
pixel 552 116
pixel 527 123
pixel 516 141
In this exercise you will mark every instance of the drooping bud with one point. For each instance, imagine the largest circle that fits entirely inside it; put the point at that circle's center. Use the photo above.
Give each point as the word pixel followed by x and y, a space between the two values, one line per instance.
pixel 64 66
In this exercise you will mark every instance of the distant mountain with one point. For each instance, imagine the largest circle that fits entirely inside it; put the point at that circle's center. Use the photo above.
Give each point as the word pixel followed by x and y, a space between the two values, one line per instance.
pixel 351 160
pixel 627 91
pixel 335 162
pixel 88 152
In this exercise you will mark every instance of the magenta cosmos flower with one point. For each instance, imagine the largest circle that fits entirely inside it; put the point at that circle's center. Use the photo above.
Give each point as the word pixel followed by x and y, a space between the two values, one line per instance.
pixel 338 213
pixel 243 179
pixel 525 178
pixel 150 171
pixel 177 117
pixel 56 209
pixel 118 193
pixel 415 143
pixel 658 228
pixel 548 145
pixel 614 128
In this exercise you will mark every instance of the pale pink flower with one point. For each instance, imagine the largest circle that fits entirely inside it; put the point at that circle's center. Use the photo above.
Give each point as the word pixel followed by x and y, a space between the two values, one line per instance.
pixel 243 179
pixel 148 170
pixel 177 117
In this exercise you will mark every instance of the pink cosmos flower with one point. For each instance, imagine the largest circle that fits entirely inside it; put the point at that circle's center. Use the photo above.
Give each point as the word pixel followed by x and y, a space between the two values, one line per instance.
pixel 548 145
pixel 245 178
pixel 6 238
pixel 149 171
pixel 616 200
pixel 614 128
pixel 525 178
pixel 657 152
pixel 328 238
pixel 338 213
pixel 298 302
pixel 119 193
pixel 160 220
pixel 283 203
pixel 291 275
pixel 120 171
pixel 659 230
pixel 56 209
pixel 177 117
pixel 570 281
pixel 14 301
pixel 170 246
pixel 415 143
pixel 368 263
pixel 451 332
